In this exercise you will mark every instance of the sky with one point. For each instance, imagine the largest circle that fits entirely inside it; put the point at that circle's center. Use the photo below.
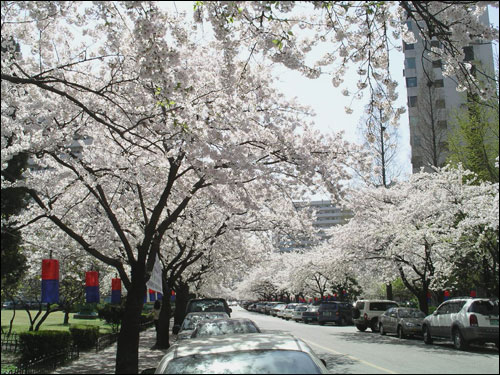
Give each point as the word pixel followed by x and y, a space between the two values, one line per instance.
pixel 328 103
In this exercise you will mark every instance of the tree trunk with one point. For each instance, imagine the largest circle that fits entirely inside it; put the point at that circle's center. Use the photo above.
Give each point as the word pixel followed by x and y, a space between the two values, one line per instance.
pixel 127 352
pixel 163 334
pixel 423 304
pixel 388 291
pixel 66 318
pixel 181 300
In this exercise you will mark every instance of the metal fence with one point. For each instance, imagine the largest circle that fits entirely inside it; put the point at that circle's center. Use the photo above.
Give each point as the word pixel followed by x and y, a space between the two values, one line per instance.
pixel 10 343
pixel 46 364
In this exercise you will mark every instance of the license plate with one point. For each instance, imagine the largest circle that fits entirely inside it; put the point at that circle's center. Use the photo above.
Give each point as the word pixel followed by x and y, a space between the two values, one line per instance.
pixel 494 322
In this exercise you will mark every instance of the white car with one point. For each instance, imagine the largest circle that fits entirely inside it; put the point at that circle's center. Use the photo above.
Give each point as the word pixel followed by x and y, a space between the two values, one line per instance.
pixel 463 320
pixel 250 353
pixel 191 320
pixel 288 311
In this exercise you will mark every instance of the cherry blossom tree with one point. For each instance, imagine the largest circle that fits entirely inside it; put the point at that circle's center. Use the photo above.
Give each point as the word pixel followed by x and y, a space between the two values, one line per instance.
pixel 168 118
pixel 358 35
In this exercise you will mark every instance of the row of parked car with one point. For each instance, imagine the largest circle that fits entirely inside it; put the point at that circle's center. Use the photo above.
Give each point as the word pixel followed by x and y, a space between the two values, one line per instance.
pixel 210 342
pixel 463 320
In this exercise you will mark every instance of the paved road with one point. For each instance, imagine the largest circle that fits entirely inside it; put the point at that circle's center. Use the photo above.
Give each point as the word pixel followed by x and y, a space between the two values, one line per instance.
pixel 348 351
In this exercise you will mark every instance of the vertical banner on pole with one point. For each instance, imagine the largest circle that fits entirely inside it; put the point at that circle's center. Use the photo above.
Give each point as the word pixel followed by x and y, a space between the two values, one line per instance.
pixel 50 281
pixel 159 296
pixel 152 295
pixel 172 296
pixel 92 286
pixel 446 295
pixel 116 291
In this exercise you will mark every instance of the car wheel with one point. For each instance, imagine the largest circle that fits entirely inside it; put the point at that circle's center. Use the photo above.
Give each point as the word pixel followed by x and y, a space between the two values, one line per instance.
pixel 458 340
pixel 401 333
pixel 361 327
pixel 374 325
pixel 381 329
pixel 427 335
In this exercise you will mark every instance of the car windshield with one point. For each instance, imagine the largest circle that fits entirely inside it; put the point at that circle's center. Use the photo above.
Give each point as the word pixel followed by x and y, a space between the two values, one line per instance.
pixel 381 306
pixel 411 314
pixel 207 305
pixel 225 327
pixel 313 308
pixel 190 321
pixel 484 307
pixel 245 362
pixel 300 308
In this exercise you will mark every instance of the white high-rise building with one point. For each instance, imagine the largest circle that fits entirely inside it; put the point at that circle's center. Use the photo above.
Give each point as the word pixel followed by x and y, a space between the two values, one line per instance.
pixel 326 215
pixel 433 100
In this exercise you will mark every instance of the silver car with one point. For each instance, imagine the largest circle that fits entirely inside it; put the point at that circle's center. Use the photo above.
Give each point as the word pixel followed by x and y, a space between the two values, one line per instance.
pixel 218 327
pixel 191 320
pixel 403 321
pixel 297 313
pixel 251 353
pixel 288 311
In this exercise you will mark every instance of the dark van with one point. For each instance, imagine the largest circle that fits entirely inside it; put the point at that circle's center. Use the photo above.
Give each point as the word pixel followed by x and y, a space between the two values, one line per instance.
pixel 336 312
pixel 208 305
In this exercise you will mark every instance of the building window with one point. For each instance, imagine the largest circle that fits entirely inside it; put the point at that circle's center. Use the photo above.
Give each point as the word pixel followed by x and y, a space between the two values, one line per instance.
pixel 435 43
pixel 407 46
pixel 411 82
pixel 437 64
pixel 469 53
pixel 440 103
pixel 412 101
pixel 438 83
pixel 413 120
pixel 410 63
pixel 443 124
pixel 417 161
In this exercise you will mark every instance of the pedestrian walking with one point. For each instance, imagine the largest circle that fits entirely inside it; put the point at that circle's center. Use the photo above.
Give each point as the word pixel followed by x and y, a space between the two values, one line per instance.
pixel 156 314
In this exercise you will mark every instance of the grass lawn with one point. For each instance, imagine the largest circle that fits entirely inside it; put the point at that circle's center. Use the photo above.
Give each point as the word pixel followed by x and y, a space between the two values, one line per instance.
pixel 53 322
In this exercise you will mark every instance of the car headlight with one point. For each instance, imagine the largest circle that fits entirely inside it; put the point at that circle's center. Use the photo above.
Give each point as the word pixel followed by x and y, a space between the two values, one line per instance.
pixel 409 324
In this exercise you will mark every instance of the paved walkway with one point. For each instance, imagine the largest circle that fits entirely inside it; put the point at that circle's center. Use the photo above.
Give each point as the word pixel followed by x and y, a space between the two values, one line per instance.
pixel 103 362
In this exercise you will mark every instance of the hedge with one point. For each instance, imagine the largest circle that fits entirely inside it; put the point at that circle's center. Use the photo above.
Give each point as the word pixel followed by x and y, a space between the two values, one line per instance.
pixel 84 336
pixel 35 344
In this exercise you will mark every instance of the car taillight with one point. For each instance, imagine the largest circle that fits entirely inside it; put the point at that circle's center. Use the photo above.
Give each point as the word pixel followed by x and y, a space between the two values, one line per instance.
pixel 473 320
pixel 365 316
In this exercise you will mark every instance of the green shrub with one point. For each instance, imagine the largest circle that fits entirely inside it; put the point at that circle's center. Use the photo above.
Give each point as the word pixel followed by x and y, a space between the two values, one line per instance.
pixel 112 314
pixel 37 343
pixel 84 336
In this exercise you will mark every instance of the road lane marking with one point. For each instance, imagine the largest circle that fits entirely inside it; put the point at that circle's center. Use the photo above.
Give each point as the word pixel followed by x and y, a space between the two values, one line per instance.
pixel 351 357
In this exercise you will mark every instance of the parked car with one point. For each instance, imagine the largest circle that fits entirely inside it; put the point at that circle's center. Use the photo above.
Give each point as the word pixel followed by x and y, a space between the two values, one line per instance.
pixel 404 321
pixel 311 314
pixel 208 305
pixel 463 320
pixel 288 311
pixel 272 353
pixel 366 313
pixel 189 323
pixel 218 327
pixel 336 312
pixel 281 310
pixel 297 313
pixel 276 308
pixel 260 307
pixel 268 307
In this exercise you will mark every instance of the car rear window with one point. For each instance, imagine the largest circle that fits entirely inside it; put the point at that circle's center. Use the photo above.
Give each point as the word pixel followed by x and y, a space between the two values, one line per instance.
pixel 381 306
pixel 206 305
pixel 484 307
pixel 245 362
pixel 328 306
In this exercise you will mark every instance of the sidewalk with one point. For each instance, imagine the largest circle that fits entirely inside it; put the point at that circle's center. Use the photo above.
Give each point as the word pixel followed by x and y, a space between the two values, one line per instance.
pixel 103 362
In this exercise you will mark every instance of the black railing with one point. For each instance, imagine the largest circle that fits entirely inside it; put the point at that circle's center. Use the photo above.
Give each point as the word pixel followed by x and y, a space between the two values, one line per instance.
pixel 10 343
pixel 47 363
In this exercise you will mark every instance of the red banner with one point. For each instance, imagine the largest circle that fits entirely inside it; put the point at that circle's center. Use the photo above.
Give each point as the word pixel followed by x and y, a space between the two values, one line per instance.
pixel 91 278
pixel 50 269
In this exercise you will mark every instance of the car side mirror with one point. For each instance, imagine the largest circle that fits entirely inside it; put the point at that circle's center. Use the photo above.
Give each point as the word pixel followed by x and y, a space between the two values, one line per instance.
pixel 435 313
pixel 149 370
pixel 230 310
pixel 176 329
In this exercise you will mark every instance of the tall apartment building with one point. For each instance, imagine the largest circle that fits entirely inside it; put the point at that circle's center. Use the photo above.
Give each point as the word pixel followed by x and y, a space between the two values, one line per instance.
pixel 326 215
pixel 433 100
